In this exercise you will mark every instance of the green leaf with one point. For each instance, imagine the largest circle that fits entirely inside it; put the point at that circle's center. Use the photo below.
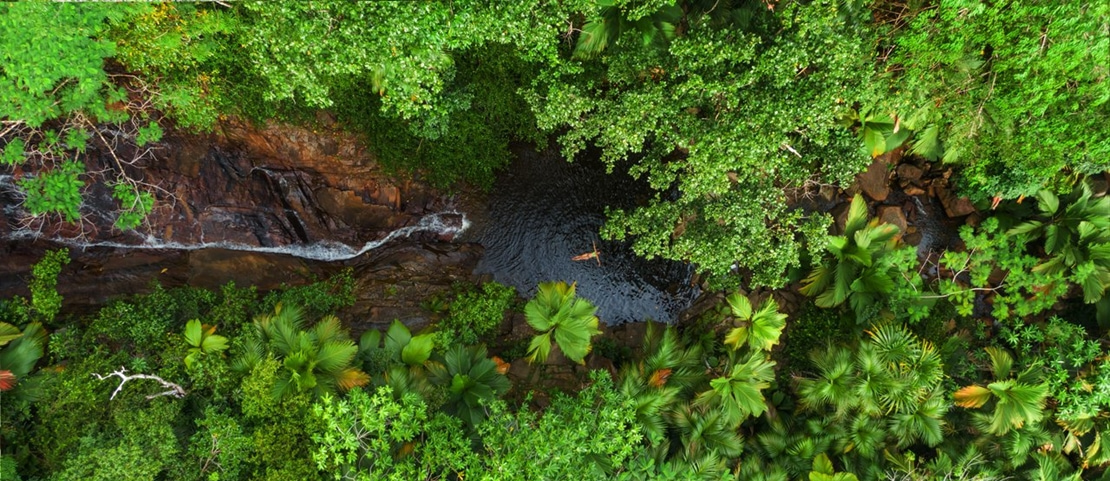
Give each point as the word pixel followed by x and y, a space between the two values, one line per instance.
pixel 767 326
pixel 335 356
pixel 741 306
pixel 736 337
pixel 539 348
pixel 214 343
pixel 873 141
pixel 418 350
pixel 1001 362
pixel 927 144
pixel 8 333
pixel 1047 202
pixel 193 334
pixel 396 338
pixel 822 464
pixel 857 216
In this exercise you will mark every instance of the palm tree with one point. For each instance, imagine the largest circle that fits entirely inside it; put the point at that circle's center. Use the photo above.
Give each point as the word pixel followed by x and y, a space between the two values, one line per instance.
pixel 666 375
pixel 202 340
pixel 1018 400
pixel 316 359
pixel 740 394
pixel 1076 240
pixel 760 329
pixel 470 378
pixel 854 272
pixel 555 311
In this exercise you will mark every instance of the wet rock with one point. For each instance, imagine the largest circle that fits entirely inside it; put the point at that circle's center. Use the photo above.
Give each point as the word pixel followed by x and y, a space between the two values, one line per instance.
pixel 912 238
pixel 912 190
pixel 827 193
pixel 352 210
pixel 1099 184
pixel 840 217
pixel 392 282
pixel 954 206
pixel 909 172
pixel 273 185
pixel 874 181
pixel 893 215
pixel 216 267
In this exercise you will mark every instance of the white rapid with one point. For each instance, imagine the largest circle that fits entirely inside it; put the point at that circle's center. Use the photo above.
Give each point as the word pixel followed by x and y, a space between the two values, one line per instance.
pixel 447 223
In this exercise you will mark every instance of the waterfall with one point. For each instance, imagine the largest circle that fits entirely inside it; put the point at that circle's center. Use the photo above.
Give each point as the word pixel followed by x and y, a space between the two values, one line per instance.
pixel 444 223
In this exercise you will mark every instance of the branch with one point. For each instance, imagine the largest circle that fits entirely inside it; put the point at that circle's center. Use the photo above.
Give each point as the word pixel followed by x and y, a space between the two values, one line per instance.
pixel 174 389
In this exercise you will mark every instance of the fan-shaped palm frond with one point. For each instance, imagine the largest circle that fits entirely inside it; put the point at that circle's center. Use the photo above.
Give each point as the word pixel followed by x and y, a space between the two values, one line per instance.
pixel 316 360
pixel 854 271
pixel 760 329
pixel 702 431
pixel 833 385
pixel 1018 400
pixel 740 394
pixel 470 378
pixel 1076 238
pixel 557 312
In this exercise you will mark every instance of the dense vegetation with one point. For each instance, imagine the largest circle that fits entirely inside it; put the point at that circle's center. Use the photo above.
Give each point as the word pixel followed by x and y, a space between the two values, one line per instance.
pixel 989 362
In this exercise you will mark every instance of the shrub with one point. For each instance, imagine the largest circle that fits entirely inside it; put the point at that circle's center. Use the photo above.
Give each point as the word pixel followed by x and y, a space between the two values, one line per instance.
pixel 474 314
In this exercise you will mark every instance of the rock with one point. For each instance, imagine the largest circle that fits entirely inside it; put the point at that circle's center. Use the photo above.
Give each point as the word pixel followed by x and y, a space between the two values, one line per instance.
pixel 914 190
pixel 874 181
pixel 893 215
pixel 954 205
pixel 348 207
pixel 909 172
pixel 268 186
pixel 912 238
pixel 1099 185
pixel 840 217
pixel 325 118
pixel 827 193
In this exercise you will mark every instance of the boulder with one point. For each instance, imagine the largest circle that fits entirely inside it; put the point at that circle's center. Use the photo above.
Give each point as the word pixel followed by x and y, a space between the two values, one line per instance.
pixel 909 172
pixel 954 206
pixel 874 182
pixel 893 215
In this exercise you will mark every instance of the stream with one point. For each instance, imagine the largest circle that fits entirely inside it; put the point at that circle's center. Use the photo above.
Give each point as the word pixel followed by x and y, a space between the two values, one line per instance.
pixel 277 225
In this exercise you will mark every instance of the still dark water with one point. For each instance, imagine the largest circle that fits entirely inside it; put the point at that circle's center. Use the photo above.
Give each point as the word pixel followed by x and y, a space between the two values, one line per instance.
pixel 543 211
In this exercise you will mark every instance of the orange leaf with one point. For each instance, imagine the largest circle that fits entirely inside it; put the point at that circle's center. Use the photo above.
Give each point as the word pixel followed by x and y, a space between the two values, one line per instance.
pixel 351 378
pixel 972 396
pixel 659 378
pixel 7 380
pixel 502 366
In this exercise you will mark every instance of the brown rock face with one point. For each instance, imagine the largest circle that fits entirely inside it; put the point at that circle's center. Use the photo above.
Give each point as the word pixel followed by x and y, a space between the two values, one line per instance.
pixel 269 186
pixel 954 205
pixel 873 181
pixel 893 215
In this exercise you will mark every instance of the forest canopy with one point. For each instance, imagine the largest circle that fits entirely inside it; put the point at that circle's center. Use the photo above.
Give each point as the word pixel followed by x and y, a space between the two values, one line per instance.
pixel 723 107
pixel 826 346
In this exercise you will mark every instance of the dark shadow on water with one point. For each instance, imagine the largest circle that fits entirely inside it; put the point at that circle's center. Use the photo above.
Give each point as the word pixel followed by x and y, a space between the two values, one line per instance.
pixel 543 211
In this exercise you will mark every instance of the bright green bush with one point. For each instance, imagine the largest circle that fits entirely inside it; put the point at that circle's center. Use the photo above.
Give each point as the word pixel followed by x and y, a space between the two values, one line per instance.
pixel 474 314
pixel 1015 93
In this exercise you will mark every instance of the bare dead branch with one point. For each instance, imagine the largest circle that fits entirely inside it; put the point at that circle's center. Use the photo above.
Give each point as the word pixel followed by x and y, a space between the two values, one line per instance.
pixel 173 389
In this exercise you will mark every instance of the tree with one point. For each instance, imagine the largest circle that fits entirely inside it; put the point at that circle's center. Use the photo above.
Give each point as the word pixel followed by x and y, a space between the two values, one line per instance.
pixel 556 311
pixel 1015 94
pixel 471 380
pixel 317 360
pixel 857 270
pixel 1018 400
